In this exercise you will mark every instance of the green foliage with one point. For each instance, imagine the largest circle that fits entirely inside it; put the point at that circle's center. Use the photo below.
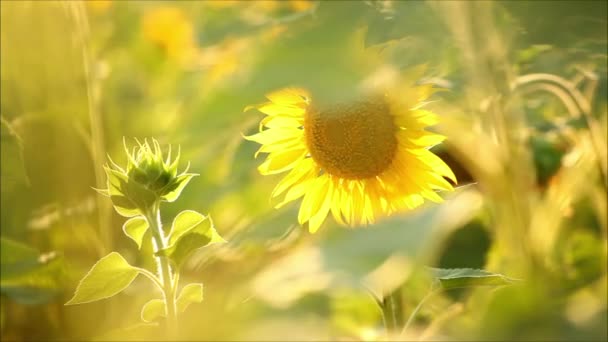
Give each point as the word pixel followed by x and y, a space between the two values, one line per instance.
pixel 147 178
pixel 155 308
pixel 137 192
pixel 191 293
pixel 189 232
pixel 378 259
pixel 27 276
pixel 77 76
pixel 108 277
pixel 12 171
pixel 135 228
pixel 454 278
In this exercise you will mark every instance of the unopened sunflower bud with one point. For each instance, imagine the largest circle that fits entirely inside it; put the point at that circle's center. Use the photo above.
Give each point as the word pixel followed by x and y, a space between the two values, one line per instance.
pixel 147 179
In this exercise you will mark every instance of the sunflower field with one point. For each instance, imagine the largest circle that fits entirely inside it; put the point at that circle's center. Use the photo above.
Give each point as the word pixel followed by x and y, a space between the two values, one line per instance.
pixel 304 170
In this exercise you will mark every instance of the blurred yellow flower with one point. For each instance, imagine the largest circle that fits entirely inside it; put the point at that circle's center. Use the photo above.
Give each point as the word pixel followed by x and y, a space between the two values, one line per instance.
pixel 301 5
pixel 171 30
pixel 99 6
pixel 361 160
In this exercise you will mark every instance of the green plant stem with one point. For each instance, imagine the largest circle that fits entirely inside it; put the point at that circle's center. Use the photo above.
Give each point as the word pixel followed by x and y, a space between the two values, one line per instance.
pixel 392 311
pixel 151 276
pixel 164 270
pixel 415 312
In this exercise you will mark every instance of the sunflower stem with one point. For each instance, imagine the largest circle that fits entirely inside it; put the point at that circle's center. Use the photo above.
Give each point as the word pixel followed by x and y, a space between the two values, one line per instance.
pixel 415 312
pixel 392 312
pixel 165 273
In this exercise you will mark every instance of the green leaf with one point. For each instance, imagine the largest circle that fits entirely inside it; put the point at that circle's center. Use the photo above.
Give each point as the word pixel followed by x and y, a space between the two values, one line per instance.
pixel 12 170
pixel 453 278
pixel 190 231
pixel 109 276
pixel 191 293
pixel 27 276
pixel 15 256
pixel 183 222
pixel 381 257
pixel 177 187
pixel 135 228
pixel 124 206
pixel 153 310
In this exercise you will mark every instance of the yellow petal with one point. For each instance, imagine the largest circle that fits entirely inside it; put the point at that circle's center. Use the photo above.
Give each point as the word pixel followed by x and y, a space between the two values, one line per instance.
pixel 436 181
pixel 357 204
pixel 315 221
pixel 296 191
pixel 282 121
pixel 290 96
pixel 416 119
pixel 419 138
pixel 281 146
pixel 278 162
pixel 336 201
pixel 274 135
pixel 437 165
pixel 273 109
pixel 313 199
pixel 303 170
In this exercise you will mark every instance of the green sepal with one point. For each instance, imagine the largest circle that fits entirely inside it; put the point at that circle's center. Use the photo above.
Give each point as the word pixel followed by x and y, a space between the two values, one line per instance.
pixel 124 206
pixel 175 189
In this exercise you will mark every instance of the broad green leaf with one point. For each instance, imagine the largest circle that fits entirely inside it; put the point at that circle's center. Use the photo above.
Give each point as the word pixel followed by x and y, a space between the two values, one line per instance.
pixel 379 258
pixel 191 233
pixel 153 310
pixel 110 275
pixel 452 278
pixel 135 228
pixel 27 276
pixel 12 169
pixel 191 293
pixel 16 256
pixel 183 222
pixel 178 186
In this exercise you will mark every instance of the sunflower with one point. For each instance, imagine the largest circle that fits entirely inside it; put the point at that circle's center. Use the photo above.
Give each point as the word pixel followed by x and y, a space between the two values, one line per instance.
pixel 360 160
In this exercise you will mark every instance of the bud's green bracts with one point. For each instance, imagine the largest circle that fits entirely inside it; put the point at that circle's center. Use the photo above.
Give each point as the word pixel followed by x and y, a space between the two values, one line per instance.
pixel 147 179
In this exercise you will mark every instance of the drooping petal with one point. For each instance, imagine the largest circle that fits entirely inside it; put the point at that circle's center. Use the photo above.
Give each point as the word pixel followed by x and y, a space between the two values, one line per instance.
pixel 289 96
pixel 315 221
pixel 313 199
pixel 274 135
pixel 273 109
pixel 303 170
pixel 336 201
pixel 278 162
pixel 281 121
pixel 419 138
pixel 280 146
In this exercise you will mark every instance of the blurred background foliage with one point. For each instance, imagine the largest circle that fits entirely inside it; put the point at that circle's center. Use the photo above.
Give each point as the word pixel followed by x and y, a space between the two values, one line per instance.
pixel 525 115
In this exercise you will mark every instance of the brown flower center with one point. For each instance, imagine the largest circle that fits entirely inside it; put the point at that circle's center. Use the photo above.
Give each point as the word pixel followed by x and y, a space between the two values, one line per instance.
pixel 353 141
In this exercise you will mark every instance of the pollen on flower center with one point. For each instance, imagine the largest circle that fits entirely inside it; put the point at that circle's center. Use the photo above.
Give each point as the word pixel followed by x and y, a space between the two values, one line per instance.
pixel 353 141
